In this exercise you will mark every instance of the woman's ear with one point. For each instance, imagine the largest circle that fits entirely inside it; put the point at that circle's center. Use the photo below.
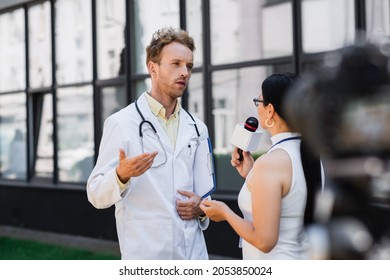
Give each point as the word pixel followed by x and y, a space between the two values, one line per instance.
pixel 270 109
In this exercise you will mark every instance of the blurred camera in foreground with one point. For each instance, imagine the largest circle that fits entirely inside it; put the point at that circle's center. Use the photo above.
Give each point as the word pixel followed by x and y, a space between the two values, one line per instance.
pixel 343 111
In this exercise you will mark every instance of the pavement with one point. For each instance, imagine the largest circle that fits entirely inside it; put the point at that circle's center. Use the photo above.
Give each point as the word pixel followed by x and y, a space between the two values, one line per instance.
pixel 71 241
pixel 66 240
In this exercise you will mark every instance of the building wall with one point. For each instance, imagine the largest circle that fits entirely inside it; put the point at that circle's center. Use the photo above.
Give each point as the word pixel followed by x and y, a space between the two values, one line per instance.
pixel 57 86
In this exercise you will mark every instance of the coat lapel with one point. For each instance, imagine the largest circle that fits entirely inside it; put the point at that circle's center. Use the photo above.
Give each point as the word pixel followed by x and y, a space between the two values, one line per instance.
pixel 186 131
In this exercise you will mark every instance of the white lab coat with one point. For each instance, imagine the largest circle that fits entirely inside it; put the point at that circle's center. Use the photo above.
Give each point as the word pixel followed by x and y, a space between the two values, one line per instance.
pixel 148 224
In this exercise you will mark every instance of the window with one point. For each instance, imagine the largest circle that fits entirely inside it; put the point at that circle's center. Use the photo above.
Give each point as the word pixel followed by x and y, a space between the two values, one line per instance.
pixel 276 29
pixel 113 99
pixel 327 25
pixel 110 38
pixel 195 96
pixel 40 66
pixel 75 133
pixel 148 21
pixel 194 28
pixel 13 140
pixel 43 136
pixel 249 30
pixel 73 41
pixel 12 54
pixel 233 91
pixel 378 20
pixel 142 86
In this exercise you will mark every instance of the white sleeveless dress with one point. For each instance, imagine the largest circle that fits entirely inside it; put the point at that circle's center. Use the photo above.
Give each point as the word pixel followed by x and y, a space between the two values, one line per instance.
pixel 291 243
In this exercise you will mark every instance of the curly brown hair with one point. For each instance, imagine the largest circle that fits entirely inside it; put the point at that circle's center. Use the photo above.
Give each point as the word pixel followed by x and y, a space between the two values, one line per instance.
pixel 163 37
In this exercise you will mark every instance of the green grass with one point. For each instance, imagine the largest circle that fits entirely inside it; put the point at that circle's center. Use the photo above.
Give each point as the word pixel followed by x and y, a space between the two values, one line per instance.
pixel 15 249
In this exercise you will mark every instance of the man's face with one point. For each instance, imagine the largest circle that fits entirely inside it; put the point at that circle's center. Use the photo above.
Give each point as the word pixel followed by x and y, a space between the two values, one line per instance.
pixel 174 70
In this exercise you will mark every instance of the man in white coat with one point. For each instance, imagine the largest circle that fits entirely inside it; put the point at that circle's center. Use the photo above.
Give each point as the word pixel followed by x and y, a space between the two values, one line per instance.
pixel 146 157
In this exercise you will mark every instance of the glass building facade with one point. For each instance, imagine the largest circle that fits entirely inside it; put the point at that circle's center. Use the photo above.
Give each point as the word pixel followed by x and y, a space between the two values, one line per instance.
pixel 65 65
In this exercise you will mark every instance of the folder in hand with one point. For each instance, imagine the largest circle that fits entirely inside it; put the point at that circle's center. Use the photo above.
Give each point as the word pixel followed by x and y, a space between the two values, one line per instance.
pixel 204 172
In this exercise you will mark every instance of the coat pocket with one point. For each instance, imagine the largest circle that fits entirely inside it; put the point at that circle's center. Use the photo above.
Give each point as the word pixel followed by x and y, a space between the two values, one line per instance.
pixel 148 239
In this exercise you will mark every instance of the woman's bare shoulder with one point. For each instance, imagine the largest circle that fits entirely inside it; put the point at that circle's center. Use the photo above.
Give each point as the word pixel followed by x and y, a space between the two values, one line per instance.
pixel 274 160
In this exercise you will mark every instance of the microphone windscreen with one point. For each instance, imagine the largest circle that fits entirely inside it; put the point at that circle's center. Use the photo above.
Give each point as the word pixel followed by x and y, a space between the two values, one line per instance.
pixel 251 124
pixel 246 137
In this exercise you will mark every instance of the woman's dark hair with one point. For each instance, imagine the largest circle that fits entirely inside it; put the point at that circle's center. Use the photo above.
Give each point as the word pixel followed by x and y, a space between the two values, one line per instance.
pixel 274 90
pixel 312 169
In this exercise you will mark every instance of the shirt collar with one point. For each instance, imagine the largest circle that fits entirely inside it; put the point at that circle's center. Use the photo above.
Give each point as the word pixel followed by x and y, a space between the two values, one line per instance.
pixel 280 136
pixel 158 109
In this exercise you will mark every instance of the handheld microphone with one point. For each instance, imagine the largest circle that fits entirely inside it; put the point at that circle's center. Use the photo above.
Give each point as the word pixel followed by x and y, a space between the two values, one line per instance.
pixel 246 137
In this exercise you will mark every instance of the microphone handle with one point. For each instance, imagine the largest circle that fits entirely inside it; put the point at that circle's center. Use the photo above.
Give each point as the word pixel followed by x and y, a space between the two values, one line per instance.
pixel 240 153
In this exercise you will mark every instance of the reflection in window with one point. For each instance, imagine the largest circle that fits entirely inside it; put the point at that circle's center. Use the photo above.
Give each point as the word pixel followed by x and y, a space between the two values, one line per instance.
pixel 195 96
pixel 276 29
pixel 233 91
pixel 13 143
pixel 148 21
pixel 73 41
pixel 248 30
pixel 378 19
pixel 327 25
pixel 111 38
pixel 12 51
pixel 194 28
pixel 169 6
pixel 113 99
pixel 43 112
pixel 39 45
pixel 142 86
pixel 75 133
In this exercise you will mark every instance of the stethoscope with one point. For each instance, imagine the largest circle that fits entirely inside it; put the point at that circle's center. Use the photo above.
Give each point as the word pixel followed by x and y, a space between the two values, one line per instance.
pixel 144 121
